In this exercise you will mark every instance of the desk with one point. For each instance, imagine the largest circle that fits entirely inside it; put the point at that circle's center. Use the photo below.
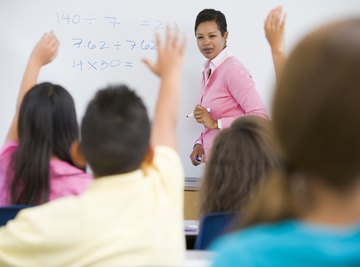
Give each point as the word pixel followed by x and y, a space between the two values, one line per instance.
pixel 191 229
pixel 191 199
pixel 198 258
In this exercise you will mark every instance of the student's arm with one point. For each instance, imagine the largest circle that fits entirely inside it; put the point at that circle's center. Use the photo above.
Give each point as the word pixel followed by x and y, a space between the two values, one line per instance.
pixel 43 53
pixel 274 27
pixel 168 68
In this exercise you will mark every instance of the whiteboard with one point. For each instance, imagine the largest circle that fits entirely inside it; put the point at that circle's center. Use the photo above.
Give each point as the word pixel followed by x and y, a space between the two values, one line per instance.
pixel 103 42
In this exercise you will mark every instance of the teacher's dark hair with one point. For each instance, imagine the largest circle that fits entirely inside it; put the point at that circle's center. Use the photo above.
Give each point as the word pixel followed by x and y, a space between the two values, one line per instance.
pixel 212 15
pixel 47 126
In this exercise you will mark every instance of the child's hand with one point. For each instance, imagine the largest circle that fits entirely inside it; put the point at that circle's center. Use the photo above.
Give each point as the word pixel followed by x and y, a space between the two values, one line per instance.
pixel 45 50
pixel 274 27
pixel 170 55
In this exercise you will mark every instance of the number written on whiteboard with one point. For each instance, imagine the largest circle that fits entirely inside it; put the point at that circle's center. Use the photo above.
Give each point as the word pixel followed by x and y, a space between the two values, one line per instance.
pixel 69 19
pixel 81 43
pixel 100 65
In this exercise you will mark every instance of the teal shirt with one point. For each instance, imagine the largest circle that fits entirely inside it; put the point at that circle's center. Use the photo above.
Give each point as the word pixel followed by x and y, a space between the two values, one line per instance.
pixel 290 243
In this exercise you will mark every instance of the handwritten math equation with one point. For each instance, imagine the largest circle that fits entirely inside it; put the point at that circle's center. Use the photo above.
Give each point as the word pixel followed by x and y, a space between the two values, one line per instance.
pixel 82 43
pixel 95 65
pixel 103 64
pixel 64 19
pixel 114 53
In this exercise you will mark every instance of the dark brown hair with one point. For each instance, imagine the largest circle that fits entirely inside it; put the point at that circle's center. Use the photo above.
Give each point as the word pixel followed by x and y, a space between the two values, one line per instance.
pixel 47 126
pixel 240 157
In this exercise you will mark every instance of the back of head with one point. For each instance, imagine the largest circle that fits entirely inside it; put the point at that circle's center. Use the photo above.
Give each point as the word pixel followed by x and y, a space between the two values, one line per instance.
pixel 115 131
pixel 241 156
pixel 316 105
pixel 47 126
pixel 212 15
pixel 315 115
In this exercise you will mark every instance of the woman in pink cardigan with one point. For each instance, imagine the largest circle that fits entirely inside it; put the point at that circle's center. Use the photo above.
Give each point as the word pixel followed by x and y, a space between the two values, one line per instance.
pixel 227 89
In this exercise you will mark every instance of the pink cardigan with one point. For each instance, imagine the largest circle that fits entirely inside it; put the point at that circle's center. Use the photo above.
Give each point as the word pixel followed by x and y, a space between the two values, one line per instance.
pixel 230 93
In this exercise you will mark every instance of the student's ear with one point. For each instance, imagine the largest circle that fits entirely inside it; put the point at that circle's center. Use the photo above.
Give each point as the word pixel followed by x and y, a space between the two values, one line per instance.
pixel 77 155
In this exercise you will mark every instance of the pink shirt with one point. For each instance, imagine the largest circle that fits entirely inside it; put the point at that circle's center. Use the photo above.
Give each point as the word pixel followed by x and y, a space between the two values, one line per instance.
pixel 230 93
pixel 65 179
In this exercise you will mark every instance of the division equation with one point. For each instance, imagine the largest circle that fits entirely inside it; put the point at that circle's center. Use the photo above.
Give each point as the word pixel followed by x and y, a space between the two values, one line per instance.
pixel 69 19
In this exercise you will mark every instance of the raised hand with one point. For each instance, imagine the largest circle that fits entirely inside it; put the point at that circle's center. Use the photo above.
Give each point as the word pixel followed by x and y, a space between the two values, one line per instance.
pixel 45 50
pixel 43 53
pixel 274 27
pixel 168 68
pixel 169 55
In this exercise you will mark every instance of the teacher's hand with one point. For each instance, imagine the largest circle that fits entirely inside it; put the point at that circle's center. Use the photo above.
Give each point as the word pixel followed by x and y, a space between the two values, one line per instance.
pixel 203 116
pixel 197 155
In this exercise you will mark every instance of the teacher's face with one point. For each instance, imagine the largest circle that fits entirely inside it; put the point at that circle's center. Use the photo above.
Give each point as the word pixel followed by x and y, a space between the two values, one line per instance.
pixel 209 39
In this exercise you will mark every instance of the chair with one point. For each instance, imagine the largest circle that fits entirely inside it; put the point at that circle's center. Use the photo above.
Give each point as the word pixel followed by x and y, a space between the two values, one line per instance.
pixel 212 226
pixel 9 212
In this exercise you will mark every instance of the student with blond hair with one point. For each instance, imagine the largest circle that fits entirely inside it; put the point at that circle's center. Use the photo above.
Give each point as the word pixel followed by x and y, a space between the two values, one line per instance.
pixel 309 215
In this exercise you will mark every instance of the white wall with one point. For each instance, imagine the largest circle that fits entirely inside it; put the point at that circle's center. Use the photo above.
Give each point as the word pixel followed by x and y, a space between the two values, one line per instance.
pixel 118 24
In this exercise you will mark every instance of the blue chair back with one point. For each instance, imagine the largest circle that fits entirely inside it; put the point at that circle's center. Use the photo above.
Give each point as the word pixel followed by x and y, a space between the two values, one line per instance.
pixel 9 212
pixel 212 226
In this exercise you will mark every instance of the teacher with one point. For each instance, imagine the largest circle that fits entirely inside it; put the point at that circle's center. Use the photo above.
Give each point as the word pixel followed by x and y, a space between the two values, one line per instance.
pixel 227 88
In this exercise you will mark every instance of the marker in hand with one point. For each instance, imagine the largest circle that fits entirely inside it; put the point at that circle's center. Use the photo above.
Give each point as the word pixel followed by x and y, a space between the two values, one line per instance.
pixel 192 114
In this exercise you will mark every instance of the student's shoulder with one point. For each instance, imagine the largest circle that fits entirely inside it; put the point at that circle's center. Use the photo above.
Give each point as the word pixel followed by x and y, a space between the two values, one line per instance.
pixel 255 237
pixel 7 150
pixel 167 164
pixel 65 204
pixel 9 146
pixel 53 221
pixel 46 217
pixel 167 159
pixel 63 171
pixel 166 153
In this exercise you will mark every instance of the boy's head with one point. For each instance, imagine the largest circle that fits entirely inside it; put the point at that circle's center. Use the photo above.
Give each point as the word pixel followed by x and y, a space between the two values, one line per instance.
pixel 115 131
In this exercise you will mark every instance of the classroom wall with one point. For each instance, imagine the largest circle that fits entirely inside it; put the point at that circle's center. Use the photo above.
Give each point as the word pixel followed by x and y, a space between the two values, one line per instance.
pixel 103 42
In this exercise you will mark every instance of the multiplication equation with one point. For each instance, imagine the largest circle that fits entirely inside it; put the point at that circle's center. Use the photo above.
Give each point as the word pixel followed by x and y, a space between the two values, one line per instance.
pixel 101 65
